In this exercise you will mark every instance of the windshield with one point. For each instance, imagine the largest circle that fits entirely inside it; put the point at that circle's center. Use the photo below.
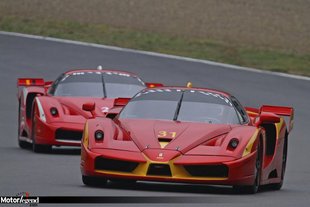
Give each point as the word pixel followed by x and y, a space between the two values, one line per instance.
pixel 179 105
pixel 97 84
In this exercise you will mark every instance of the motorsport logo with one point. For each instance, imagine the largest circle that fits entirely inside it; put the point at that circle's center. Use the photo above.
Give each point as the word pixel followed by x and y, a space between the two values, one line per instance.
pixel 20 198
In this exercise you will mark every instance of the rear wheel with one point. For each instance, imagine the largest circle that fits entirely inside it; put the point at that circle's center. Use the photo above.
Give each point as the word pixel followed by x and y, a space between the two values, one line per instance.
pixel 21 144
pixel 38 148
pixel 94 181
pixel 278 186
pixel 251 189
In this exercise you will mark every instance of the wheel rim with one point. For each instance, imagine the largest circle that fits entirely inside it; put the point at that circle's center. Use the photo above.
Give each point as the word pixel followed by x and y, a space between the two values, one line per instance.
pixel 19 119
pixel 258 165
pixel 284 158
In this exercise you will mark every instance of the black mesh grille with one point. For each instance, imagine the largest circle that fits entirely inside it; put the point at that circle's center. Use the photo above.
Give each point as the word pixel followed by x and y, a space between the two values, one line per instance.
pixel 159 169
pixel 207 170
pixel 102 163
pixel 63 134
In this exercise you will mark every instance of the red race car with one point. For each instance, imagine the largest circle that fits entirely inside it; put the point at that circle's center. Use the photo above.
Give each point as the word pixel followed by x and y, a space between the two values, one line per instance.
pixel 193 135
pixel 50 113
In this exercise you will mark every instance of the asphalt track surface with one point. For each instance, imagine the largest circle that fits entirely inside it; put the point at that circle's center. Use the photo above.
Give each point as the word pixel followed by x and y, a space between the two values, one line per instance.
pixel 58 174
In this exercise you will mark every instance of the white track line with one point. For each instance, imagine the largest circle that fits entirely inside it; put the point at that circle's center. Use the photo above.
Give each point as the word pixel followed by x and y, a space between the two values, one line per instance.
pixel 155 54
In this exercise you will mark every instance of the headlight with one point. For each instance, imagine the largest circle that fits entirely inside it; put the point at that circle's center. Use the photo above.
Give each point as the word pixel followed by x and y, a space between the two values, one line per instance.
pixel 54 111
pixel 99 135
pixel 233 143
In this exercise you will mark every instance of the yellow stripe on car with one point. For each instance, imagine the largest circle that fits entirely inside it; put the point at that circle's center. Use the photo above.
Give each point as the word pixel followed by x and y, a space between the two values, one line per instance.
pixel 249 146
pixel 279 126
pixel 85 135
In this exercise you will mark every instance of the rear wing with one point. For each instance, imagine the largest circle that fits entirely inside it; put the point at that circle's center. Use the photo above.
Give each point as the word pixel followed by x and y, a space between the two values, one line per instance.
pixel 154 85
pixel 281 111
pixel 33 85
pixel 30 82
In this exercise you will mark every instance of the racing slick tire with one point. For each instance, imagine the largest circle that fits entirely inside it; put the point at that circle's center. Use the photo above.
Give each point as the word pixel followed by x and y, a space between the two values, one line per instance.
pixel 21 144
pixel 38 148
pixel 94 181
pixel 252 189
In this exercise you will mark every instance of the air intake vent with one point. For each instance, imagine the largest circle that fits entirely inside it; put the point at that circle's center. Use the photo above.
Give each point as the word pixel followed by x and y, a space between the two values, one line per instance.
pixel 102 163
pixel 111 115
pixel 207 170
pixel 62 134
pixel 159 169
pixel 164 139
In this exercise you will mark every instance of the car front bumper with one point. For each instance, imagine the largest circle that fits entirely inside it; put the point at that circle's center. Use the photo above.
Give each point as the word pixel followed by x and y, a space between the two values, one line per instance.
pixel 220 170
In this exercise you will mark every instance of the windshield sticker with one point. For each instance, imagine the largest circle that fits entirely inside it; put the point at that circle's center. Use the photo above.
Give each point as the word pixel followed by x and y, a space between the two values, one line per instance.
pixel 100 73
pixel 217 96
pixel 117 73
pixel 225 99
pixel 155 91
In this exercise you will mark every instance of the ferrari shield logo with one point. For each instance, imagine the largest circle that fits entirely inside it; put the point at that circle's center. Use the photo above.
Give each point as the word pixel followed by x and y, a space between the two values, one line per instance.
pixel 160 156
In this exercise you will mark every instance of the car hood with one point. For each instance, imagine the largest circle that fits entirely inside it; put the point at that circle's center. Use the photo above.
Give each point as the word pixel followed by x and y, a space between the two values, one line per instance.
pixel 73 105
pixel 176 136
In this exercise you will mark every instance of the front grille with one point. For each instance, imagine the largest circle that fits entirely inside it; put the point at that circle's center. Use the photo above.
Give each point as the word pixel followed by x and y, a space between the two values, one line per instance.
pixel 102 163
pixel 159 169
pixel 207 170
pixel 63 134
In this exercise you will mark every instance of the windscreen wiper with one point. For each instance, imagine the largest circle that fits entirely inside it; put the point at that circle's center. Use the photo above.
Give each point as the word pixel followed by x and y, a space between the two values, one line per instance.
pixel 176 114
pixel 103 86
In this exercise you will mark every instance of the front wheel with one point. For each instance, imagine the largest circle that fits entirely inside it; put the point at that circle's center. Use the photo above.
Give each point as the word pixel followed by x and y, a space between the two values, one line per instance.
pixel 93 181
pixel 38 148
pixel 252 189
pixel 21 144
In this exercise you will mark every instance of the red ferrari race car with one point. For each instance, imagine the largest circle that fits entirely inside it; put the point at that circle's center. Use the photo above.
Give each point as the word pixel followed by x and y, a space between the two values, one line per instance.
pixel 192 135
pixel 50 113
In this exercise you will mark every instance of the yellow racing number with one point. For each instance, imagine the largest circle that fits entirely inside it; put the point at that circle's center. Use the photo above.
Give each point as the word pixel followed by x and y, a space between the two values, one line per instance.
pixel 167 134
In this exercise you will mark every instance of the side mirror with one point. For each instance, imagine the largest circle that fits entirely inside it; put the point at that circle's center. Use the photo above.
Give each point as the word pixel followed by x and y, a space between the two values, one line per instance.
pixel 90 107
pixel 47 85
pixel 154 85
pixel 267 118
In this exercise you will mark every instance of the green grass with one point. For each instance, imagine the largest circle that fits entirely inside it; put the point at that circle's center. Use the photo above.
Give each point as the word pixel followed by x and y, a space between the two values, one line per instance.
pixel 197 48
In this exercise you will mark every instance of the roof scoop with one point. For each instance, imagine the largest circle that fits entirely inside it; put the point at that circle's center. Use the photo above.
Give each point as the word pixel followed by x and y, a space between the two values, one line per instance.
pixel 99 67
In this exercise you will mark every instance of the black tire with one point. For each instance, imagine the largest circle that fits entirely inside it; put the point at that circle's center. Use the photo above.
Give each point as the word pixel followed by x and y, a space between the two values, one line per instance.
pixel 252 189
pixel 21 144
pixel 38 148
pixel 94 181
pixel 278 186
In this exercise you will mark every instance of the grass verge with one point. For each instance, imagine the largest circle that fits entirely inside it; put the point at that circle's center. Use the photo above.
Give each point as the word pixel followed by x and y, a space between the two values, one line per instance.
pixel 197 48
